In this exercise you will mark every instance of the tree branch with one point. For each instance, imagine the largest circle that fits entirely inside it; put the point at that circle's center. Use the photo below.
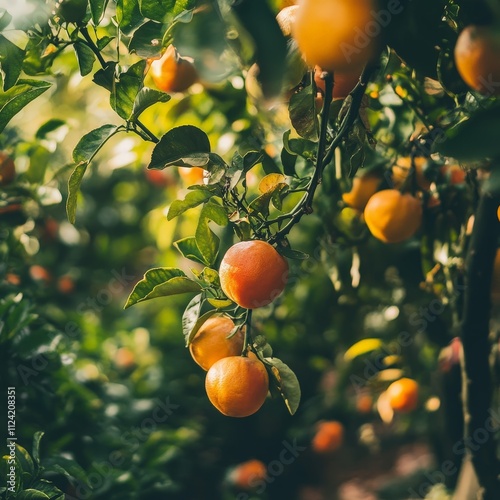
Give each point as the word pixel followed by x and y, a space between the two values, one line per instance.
pixel 476 375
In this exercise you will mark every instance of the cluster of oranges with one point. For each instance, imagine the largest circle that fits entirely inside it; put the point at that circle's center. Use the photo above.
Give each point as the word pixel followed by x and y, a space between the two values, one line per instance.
pixel 252 274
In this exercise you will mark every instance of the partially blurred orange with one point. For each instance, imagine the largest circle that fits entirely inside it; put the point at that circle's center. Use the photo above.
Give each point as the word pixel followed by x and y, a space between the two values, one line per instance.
pixel 329 437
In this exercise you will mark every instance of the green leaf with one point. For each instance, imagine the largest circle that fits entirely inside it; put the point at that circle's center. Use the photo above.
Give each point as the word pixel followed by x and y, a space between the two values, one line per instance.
pixel 104 41
pixel 300 147
pixel 85 58
pixel 287 383
pixel 11 62
pixel 126 90
pixel 145 98
pixel 286 251
pixel 220 303
pixel 5 19
pixel 24 459
pixel 129 16
pixel 198 324
pixel 97 8
pixel 90 144
pixel 161 282
pixel 181 146
pixel 206 240
pixel 36 446
pixel 362 347
pixel 105 77
pixel 190 316
pixel 146 41
pixel 192 199
pixel 49 489
pixel 472 139
pixel 288 161
pixel 31 494
pixel 17 97
pixel 67 467
pixel 48 127
pixel 303 113
pixel 189 249
pixel 74 182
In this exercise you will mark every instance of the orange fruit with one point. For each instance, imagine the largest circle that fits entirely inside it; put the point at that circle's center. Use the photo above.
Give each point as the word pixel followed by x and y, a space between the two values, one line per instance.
pixel 455 174
pixel 253 273
pixel 13 279
pixel 393 217
pixel 343 86
pixel 329 437
pixel 248 474
pixel 39 273
pixel 363 188
pixel 172 73
pixel 477 59
pixel 237 386
pixel 401 169
pixel 7 169
pixel 192 175
pixel 498 213
pixel 403 395
pixel 286 19
pixel 337 35
pixel 124 358
pixel 364 403
pixel 159 178
pixel 211 343
pixel 65 284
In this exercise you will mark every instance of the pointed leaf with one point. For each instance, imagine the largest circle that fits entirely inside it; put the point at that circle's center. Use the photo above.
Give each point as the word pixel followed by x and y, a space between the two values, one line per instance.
pixel 145 98
pixel 161 282
pixel 303 113
pixel 31 494
pixel 287 383
pixel 126 89
pixel 192 199
pixel 36 446
pixel 17 97
pixel 73 188
pixel 85 58
pixel 24 459
pixel 190 316
pixel 189 249
pixel 178 143
pixel 128 15
pixel 90 144
pixel 362 347
pixel 97 8
pixel 270 181
pixel 146 41
pixel 11 62
pixel 220 303
pixel 206 240
pixel 67 467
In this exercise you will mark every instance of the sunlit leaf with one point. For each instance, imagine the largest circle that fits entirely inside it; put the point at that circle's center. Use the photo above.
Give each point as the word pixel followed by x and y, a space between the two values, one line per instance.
pixel 190 316
pixel 189 249
pixel 125 91
pixel 362 347
pixel 303 113
pixel 11 62
pixel 89 145
pixel 161 282
pixel 192 199
pixel 270 181
pixel 206 240
pixel 145 98
pixel 74 183
pixel 16 98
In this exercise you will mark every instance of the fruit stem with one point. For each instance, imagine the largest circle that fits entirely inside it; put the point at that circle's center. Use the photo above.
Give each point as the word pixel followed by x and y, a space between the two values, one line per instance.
pixel 248 332
pixel 476 372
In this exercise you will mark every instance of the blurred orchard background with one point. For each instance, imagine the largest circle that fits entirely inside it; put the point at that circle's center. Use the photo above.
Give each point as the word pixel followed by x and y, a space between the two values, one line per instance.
pixel 109 401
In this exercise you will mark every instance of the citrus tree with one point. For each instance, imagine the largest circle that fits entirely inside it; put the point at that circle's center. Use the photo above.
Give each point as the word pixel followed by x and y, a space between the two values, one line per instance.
pixel 316 143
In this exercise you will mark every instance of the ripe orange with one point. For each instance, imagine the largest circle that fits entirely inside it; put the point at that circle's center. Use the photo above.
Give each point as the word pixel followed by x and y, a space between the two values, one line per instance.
pixel 498 213
pixel 253 273
pixel 39 273
pixel 191 175
pixel 7 169
pixel 403 395
pixel 363 188
pixel 248 474
pixel 364 403
pixel 336 34
pixel 477 60
pixel 160 178
pixel 237 386
pixel 65 284
pixel 211 343
pixel 329 437
pixel 401 169
pixel 172 73
pixel 344 82
pixel 125 358
pixel 393 217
